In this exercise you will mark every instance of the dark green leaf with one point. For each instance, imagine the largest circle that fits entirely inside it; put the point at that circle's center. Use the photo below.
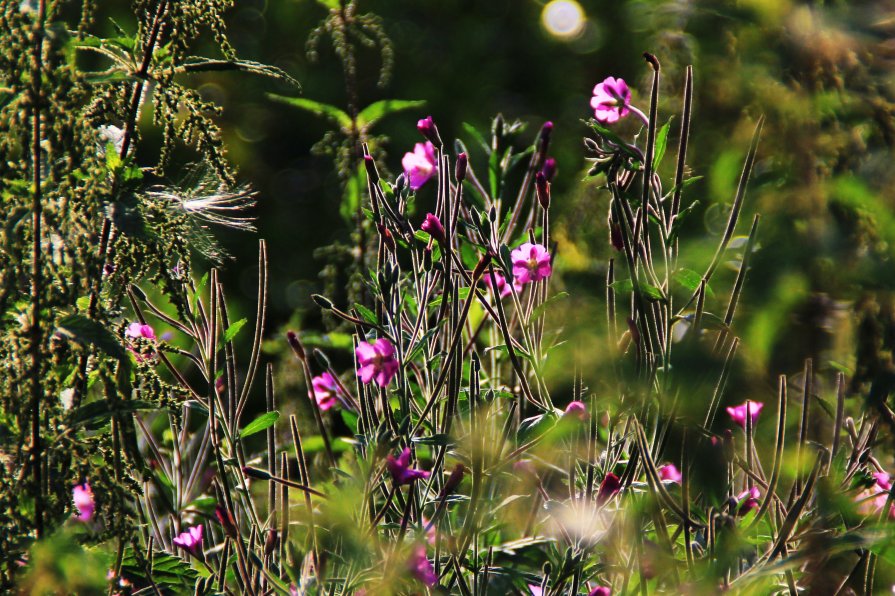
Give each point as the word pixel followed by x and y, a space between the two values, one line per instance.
pixel 661 144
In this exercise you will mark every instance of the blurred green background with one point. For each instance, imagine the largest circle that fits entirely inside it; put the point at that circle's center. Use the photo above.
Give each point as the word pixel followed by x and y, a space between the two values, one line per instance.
pixel 820 72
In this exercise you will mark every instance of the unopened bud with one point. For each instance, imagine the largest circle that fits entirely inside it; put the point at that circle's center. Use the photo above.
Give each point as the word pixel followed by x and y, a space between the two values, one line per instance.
pixel 427 128
pixel 432 226
pixel 453 480
pixel 546 132
pixel 370 164
pixel 462 163
pixel 257 473
pixel 225 518
pixel 543 190
pixel 322 301
pixel 386 237
pixel 273 540
pixel 295 344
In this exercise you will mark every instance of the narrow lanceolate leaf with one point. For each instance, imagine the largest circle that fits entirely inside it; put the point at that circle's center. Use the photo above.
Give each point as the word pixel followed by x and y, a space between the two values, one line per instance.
pixel 262 422
pixel 233 330
pixel 661 144
pixel 331 113
pixel 380 109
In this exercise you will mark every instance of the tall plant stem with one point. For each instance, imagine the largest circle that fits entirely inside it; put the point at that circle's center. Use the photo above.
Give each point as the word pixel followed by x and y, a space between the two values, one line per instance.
pixel 36 258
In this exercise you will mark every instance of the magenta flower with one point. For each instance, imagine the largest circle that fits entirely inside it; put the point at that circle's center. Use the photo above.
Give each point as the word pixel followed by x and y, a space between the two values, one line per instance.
pixel 137 330
pixel 535 589
pixel 608 488
pixel 578 409
pixel 190 541
pixel 420 165
pixel 326 391
pixel 611 100
pixel 83 498
pixel 503 288
pixel 748 500
pixel 377 361
pixel 420 567
pixel 432 226
pixel 531 262
pixel 670 472
pixel 873 500
pixel 400 468
pixel 600 591
pixel 738 413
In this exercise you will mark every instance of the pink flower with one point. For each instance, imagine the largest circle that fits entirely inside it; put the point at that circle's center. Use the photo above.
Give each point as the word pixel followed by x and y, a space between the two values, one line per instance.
pixel 578 409
pixel 420 567
pixel 608 488
pixel 503 288
pixel 738 413
pixel 611 100
pixel 531 262
pixel 432 226
pixel 190 541
pixel 400 468
pixel 83 498
pixel 377 361
pixel 748 500
pixel 325 390
pixel 137 330
pixel 600 591
pixel 420 165
pixel 872 500
pixel 536 590
pixel 670 472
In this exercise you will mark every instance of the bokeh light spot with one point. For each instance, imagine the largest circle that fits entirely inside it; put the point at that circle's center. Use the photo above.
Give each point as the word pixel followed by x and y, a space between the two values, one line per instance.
pixel 563 18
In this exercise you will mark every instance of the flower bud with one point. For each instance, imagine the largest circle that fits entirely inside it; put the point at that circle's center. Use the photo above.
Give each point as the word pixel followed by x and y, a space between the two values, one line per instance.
pixel 295 344
pixel 322 301
pixel 453 480
pixel 608 488
pixel 432 226
pixel 543 190
pixel 257 473
pixel 462 163
pixel 370 164
pixel 225 518
pixel 427 128
pixel 270 544
pixel 546 132
pixel 387 237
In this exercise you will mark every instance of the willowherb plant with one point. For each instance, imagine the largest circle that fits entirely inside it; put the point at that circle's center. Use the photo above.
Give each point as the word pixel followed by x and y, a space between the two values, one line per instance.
pixel 444 460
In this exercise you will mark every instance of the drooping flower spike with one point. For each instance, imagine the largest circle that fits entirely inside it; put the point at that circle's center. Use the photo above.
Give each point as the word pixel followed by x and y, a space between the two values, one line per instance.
pixel 376 361
pixel 420 165
pixel 612 102
pixel 531 263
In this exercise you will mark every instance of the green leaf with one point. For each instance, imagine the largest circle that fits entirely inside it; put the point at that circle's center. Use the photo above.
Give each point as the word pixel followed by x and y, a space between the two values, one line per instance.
pixel 661 144
pixel 366 314
pixel 462 294
pixel 97 413
pixel 691 280
pixel 477 136
pixel 650 292
pixel 89 332
pixel 330 4
pixel 614 138
pixel 536 313
pixel 262 422
pixel 331 113
pixel 439 440
pixel 352 197
pixel 379 109
pixel 169 572
pixel 233 329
